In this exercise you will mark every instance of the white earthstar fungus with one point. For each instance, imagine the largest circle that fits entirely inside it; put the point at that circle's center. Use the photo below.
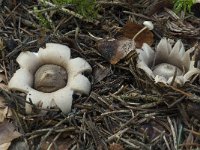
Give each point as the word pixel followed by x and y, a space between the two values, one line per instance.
pixel 50 77
pixel 165 62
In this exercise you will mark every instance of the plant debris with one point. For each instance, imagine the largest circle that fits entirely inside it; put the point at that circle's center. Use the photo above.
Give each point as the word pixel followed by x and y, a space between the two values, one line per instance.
pixel 114 50
pixel 7 133
pixel 131 28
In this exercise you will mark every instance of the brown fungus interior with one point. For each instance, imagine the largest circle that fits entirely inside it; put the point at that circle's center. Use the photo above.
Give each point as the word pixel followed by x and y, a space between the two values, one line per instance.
pixel 49 78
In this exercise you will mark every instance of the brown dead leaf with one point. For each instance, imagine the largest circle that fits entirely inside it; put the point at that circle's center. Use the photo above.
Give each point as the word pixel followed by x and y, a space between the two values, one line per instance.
pixel 114 50
pixel 8 132
pixel 130 29
pixel 115 146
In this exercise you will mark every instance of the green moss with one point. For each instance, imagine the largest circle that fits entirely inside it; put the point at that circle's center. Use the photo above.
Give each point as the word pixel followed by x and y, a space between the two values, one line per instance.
pixel 86 8
pixel 183 5
pixel 42 19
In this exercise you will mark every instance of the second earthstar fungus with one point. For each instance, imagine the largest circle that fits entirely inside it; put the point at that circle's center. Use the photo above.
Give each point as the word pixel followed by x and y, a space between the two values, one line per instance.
pixel 50 77
pixel 167 64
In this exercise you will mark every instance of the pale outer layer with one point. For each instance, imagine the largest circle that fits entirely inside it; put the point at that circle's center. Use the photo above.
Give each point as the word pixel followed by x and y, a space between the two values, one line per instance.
pixel 56 54
pixel 164 53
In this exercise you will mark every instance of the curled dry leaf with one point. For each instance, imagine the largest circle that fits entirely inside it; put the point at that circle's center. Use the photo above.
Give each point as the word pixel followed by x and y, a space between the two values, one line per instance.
pixel 114 50
pixel 8 132
pixel 130 29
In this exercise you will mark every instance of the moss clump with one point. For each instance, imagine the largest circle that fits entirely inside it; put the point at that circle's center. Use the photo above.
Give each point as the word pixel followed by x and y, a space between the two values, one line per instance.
pixel 86 8
pixel 41 17
pixel 183 5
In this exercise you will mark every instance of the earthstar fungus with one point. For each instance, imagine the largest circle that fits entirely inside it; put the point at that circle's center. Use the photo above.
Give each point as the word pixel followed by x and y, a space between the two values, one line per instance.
pixel 167 63
pixel 50 77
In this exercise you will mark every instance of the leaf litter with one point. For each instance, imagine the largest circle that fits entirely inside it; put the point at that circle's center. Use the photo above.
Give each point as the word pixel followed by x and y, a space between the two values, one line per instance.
pixel 8 132
pixel 114 50
pixel 131 28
